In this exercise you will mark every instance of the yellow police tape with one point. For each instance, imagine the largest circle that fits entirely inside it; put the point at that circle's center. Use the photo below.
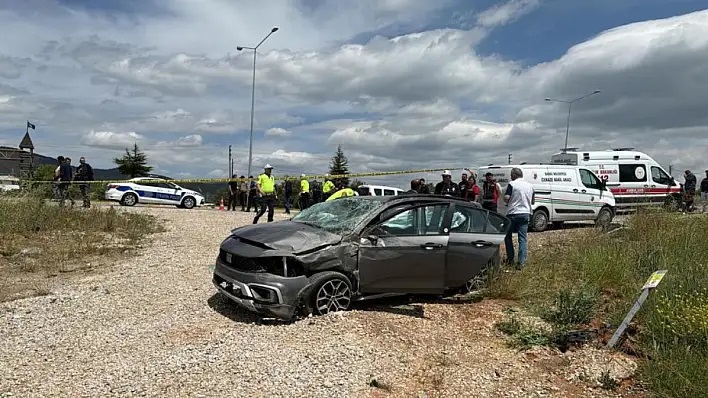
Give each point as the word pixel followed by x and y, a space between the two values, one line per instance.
pixel 226 180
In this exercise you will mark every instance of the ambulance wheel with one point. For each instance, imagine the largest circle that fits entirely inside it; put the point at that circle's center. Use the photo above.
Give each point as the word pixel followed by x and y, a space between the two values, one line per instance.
pixel 604 218
pixel 539 220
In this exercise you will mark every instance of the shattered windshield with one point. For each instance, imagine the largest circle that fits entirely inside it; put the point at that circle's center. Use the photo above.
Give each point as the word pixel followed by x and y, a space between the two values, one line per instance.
pixel 339 216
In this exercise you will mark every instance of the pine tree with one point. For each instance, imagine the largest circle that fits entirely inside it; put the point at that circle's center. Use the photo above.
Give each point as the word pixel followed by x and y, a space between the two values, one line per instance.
pixel 133 163
pixel 339 166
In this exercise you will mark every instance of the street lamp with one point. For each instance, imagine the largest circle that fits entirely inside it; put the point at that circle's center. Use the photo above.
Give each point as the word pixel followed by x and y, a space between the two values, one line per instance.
pixel 253 93
pixel 570 106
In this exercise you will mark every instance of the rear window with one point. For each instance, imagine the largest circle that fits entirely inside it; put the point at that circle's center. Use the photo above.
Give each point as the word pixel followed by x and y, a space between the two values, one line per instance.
pixel 635 172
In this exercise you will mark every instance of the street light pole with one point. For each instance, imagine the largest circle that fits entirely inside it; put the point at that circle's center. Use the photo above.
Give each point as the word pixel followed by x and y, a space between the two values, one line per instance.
pixel 570 107
pixel 253 93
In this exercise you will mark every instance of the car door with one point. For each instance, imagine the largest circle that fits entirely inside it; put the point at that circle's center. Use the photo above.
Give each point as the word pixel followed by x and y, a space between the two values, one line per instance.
pixel 591 191
pixel 147 191
pixel 405 252
pixel 475 238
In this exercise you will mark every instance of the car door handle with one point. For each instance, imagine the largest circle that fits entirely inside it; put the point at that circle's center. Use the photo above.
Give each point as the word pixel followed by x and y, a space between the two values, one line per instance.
pixel 646 186
pixel 431 246
pixel 653 186
pixel 482 243
pixel 583 191
pixel 575 190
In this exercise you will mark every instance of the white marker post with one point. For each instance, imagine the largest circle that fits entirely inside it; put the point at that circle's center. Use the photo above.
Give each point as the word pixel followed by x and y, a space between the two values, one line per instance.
pixel 651 283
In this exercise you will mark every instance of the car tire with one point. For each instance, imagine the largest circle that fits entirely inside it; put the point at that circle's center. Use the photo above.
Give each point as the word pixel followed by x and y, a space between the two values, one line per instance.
pixel 672 203
pixel 331 291
pixel 539 220
pixel 604 217
pixel 189 202
pixel 129 199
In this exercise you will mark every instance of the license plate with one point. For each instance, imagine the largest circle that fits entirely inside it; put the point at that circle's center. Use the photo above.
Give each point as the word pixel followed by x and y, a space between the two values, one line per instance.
pixel 228 258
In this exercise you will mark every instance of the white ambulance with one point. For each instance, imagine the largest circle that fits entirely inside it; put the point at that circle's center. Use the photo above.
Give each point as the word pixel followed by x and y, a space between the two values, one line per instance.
pixel 634 178
pixel 562 193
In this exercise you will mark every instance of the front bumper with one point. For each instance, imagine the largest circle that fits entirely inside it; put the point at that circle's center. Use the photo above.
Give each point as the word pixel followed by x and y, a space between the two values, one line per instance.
pixel 263 293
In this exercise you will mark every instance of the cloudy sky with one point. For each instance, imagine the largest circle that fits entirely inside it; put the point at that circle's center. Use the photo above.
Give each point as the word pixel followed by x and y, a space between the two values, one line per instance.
pixel 400 84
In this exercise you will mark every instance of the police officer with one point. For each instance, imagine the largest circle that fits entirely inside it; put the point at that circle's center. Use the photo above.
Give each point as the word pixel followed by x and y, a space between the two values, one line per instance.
pixel 491 191
pixel 316 191
pixel 288 192
pixel 328 187
pixel 304 192
pixel 446 186
pixel 266 193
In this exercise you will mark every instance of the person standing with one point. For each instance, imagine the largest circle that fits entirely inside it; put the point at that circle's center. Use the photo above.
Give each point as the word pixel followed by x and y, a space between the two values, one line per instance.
pixel 463 185
pixel 415 187
pixel 252 195
pixel 243 193
pixel 689 187
pixel 304 192
pixel 233 193
pixel 57 177
pixel 472 192
pixel 266 193
pixel 84 172
pixel 704 189
pixel 491 191
pixel 288 193
pixel 65 177
pixel 316 191
pixel 446 186
pixel 423 188
pixel 519 197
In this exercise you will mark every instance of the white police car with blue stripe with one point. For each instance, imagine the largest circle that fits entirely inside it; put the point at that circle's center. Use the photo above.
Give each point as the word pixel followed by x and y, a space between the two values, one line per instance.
pixel 152 191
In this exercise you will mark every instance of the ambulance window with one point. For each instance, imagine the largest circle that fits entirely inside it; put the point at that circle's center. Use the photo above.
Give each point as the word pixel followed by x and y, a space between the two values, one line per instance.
pixel 589 179
pixel 389 192
pixel 659 177
pixel 636 172
pixel 377 191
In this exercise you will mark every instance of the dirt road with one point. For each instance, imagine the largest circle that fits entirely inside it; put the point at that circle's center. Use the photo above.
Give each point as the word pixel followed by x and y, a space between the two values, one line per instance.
pixel 152 325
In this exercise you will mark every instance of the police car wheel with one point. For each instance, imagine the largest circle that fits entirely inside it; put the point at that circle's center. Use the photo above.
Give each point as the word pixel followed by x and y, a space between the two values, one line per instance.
pixel 129 199
pixel 188 202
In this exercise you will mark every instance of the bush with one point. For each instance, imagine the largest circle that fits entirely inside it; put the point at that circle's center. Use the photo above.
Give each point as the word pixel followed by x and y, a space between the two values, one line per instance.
pixel 607 272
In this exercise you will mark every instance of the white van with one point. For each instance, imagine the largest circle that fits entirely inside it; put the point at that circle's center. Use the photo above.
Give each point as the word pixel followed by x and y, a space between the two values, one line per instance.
pixel 9 183
pixel 633 177
pixel 378 190
pixel 562 193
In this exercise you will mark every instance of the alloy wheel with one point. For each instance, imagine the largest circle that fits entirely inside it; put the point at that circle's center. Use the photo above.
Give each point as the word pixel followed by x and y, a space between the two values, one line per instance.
pixel 334 295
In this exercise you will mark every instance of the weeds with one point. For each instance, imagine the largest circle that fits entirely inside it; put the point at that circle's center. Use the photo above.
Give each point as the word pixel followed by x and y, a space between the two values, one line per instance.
pixel 43 239
pixel 596 279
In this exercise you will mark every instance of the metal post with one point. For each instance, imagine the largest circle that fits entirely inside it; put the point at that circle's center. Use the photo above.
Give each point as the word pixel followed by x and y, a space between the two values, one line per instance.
pixel 570 106
pixel 253 107
pixel 567 126
pixel 231 163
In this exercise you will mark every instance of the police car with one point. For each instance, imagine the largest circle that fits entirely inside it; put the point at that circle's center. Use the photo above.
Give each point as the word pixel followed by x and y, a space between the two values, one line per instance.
pixel 154 191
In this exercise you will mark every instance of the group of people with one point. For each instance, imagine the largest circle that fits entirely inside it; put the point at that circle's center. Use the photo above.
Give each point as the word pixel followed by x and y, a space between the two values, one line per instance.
pixel 488 195
pixel 689 189
pixel 261 193
pixel 65 174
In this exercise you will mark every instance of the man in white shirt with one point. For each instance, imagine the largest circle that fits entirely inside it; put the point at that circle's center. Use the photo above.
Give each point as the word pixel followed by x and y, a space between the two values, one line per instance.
pixel 519 197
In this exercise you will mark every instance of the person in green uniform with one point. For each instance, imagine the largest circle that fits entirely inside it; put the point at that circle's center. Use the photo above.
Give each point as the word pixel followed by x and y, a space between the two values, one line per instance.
pixel 342 193
pixel 328 187
pixel 267 194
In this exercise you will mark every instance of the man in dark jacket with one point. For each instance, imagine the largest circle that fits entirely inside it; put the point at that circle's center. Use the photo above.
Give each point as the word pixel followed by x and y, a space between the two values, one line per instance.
pixel 704 189
pixel 84 172
pixel 463 185
pixel 287 193
pixel 65 177
pixel 446 186
pixel 233 193
pixel 689 187
pixel 415 187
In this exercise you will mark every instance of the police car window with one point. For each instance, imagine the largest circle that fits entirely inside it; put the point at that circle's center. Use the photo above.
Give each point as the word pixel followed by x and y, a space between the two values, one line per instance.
pixel 659 177
pixel 468 220
pixel 634 172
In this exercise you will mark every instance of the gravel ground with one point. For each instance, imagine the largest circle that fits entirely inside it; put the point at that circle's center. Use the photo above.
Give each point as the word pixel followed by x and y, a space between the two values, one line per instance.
pixel 153 326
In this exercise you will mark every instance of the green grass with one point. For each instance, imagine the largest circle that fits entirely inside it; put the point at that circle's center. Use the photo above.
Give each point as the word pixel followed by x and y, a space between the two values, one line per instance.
pixel 597 277
pixel 40 239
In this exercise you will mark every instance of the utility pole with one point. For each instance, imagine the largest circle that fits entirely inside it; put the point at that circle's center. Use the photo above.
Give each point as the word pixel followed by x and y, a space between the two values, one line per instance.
pixel 671 169
pixel 509 158
pixel 231 163
pixel 570 107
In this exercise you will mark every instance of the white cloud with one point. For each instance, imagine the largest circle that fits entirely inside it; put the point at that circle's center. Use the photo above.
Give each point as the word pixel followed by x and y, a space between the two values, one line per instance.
pixel 108 139
pixel 504 13
pixel 277 132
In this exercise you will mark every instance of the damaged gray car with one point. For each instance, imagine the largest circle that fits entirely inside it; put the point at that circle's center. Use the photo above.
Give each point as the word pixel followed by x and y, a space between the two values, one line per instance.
pixel 356 248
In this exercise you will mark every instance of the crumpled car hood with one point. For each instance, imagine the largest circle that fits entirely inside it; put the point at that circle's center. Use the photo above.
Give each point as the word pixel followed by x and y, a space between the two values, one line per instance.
pixel 287 236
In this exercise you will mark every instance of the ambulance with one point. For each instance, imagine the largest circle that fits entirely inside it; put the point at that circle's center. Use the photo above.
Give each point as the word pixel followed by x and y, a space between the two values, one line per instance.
pixel 634 177
pixel 562 193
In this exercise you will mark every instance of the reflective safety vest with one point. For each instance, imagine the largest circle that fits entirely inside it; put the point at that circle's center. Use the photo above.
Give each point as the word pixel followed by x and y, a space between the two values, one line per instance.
pixel 328 187
pixel 341 194
pixel 267 183
pixel 304 186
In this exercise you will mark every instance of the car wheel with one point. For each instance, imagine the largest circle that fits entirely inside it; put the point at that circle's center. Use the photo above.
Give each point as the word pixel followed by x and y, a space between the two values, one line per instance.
pixel 604 218
pixel 129 199
pixel 539 220
pixel 331 292
pixel 672 203
pixel 188 202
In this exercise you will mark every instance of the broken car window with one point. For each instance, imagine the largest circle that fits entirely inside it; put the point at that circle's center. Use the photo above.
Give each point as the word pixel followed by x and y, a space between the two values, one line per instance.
pixel 339 216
